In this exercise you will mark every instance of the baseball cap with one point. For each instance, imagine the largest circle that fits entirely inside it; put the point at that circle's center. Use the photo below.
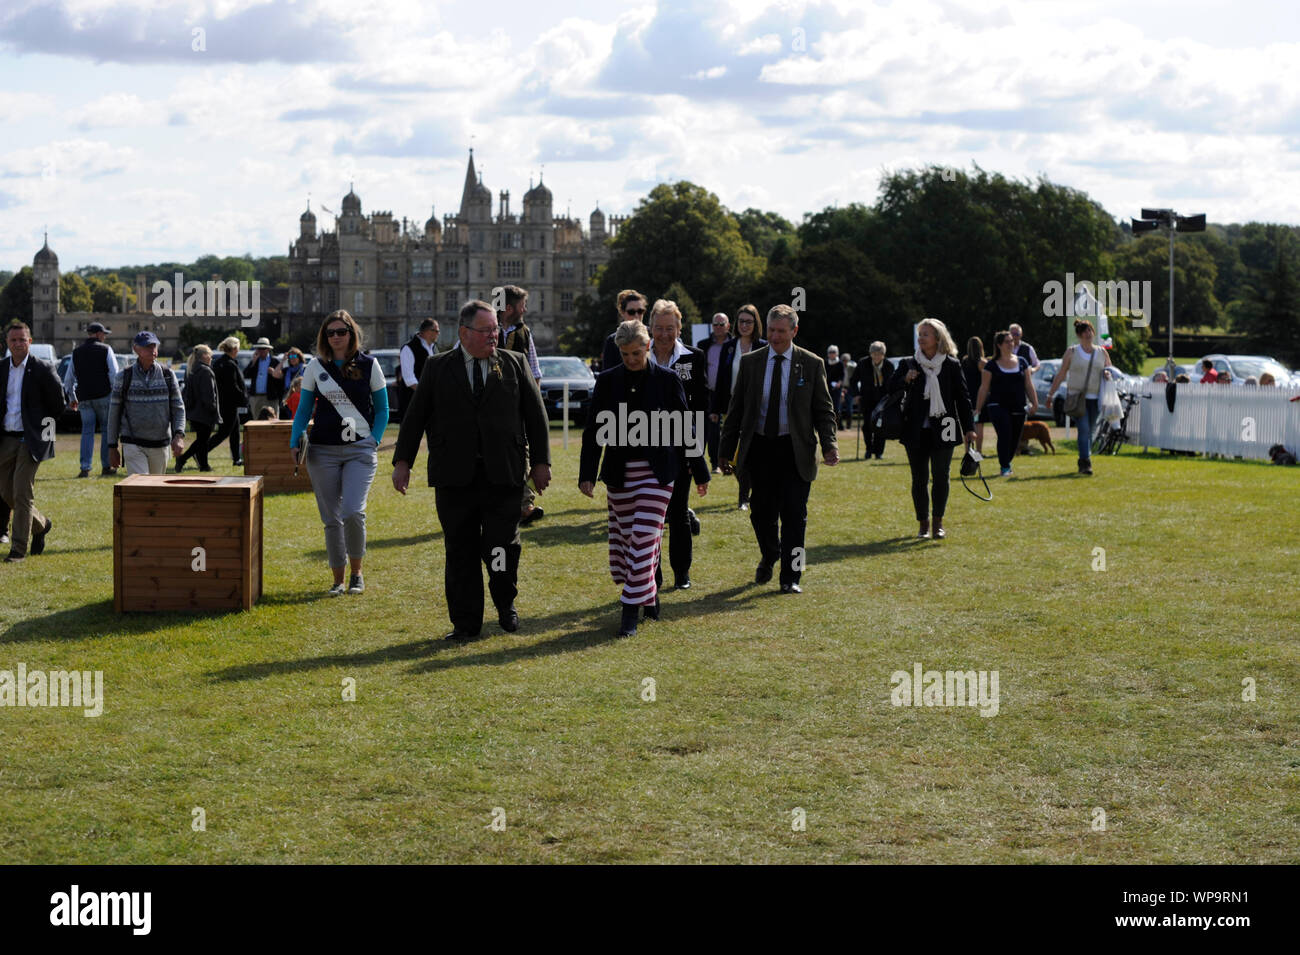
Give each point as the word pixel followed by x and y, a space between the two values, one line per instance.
pixel 94 328
pixel 146 338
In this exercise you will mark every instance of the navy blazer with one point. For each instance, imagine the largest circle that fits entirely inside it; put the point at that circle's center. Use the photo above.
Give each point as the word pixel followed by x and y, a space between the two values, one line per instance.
pixel 664 392
pixel 720 397
pixel 42 404
pixel 952 388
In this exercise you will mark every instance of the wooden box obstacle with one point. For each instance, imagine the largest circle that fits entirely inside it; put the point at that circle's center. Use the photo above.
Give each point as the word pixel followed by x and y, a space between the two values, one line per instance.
pixel 187 543
pixel 266 452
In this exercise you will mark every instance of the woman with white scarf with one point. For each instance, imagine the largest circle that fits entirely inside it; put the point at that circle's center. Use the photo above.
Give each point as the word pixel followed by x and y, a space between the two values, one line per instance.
pixel 936 418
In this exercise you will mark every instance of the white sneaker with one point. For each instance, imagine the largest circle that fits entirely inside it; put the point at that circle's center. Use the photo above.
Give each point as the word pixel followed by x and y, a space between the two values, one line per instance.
pixel 337 591
pixel 356 585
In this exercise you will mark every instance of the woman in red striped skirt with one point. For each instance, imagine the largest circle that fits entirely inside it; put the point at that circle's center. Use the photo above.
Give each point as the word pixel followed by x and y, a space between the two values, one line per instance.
pixel 637 463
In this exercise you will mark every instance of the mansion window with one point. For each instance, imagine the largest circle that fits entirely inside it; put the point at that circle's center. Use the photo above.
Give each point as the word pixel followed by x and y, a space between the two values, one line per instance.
pixel 390 269
pixel 541 268
pixel 566 269
pixel 566 301
pixel 510 269
pixel 359 303
pixel 452 269
pixel 422 303
pixel 482 272
pixel 450 301
pixel 331 299
pixel 422 268
pixel 391 306
pixel 358 269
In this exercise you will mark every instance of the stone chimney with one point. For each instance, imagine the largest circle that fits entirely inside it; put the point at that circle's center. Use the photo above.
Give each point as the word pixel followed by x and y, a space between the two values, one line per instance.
pixel 141 299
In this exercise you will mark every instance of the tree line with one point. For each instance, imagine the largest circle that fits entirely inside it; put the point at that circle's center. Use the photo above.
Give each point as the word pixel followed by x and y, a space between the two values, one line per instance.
pixel 972 248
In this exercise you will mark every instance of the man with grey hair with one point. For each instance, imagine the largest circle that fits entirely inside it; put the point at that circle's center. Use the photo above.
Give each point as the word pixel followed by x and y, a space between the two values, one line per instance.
pixel 711 345
pixel 1022 349
pixel 870 383
pixel 482 413
pixel 780 409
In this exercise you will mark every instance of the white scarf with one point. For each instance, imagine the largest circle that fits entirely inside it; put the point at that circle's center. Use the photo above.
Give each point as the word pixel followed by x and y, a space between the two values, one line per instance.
pixel 931 368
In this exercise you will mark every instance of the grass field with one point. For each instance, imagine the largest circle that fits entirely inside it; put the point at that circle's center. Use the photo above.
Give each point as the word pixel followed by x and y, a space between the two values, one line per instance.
pixel 1120 689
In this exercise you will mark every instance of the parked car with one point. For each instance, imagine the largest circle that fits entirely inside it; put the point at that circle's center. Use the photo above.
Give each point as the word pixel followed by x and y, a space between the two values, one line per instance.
pixel 1191 371
pixel 1242 367
pixel 556 371
pixel 390 360
pixel 1124 382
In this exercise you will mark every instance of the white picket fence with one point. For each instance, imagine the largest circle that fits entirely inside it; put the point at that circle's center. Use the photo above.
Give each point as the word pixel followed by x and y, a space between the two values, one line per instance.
pixel 1217 419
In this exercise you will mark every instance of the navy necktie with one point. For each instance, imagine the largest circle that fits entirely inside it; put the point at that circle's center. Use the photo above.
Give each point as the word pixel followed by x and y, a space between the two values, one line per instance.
pixel 772 427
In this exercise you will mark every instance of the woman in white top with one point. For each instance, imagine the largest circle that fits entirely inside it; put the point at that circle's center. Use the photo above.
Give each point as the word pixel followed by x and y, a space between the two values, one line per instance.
pixel 1082 368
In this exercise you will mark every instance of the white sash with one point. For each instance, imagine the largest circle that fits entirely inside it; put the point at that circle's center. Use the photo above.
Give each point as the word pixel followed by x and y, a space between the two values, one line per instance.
pixel 333 392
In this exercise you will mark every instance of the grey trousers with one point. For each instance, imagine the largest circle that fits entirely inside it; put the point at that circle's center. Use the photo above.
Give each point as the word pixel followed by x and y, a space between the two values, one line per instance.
pixel 17 482
pixel 341 476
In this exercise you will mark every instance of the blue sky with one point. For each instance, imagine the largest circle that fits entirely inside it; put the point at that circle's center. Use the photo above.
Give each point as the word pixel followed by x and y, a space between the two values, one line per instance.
pixel 133 146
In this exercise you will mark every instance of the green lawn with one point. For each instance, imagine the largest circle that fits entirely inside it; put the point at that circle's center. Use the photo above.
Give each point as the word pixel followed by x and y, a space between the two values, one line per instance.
pixel 1119 689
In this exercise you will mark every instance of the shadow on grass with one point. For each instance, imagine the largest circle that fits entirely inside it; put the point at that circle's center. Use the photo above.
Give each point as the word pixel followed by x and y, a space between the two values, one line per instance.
pixel 1048 477
pixel 829 553
pixel 99 620
pixel 383 542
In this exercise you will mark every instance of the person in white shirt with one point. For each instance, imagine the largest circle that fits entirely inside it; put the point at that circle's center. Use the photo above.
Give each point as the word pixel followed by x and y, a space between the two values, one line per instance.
pixel 422 346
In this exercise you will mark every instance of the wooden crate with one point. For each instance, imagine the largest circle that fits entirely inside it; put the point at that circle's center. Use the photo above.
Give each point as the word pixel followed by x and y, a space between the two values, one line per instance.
pixel 159 519
pixel 266 452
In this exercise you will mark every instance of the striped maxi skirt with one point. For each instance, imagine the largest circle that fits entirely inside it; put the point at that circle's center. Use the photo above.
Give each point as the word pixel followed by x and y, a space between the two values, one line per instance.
pixel 636 531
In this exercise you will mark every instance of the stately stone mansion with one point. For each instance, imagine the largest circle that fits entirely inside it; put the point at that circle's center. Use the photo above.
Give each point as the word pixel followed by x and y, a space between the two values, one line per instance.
pixel 391 275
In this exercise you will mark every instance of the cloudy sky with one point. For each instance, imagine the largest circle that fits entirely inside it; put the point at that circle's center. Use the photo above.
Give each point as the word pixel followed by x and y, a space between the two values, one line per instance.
pixel 150 130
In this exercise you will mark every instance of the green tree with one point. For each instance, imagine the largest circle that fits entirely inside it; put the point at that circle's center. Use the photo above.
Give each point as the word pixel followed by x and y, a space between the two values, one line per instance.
pixel 762 230
pixel 106 292
pixel 690 311
pixel 16 298
pixel 1129 346
pixel 1147 260
pixel 1269 314
pixel 74 293
pixel 846 300
pixel 594 319
pixel 681 233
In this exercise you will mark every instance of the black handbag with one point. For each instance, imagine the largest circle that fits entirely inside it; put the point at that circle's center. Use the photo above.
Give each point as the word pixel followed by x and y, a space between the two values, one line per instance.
pixel 970 467
pixel 887 416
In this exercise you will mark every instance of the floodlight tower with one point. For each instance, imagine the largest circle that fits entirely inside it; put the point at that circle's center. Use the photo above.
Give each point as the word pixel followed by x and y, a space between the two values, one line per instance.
pixel 1172 222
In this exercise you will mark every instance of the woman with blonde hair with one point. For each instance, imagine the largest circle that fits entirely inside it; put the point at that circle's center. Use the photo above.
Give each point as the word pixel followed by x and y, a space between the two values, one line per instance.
pixel 345 397
pixel 202 407
pixel 936 418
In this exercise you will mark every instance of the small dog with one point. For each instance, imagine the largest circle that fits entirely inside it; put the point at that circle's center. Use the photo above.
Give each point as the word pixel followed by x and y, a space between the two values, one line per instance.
pixel 1035 430
pixel 1281 455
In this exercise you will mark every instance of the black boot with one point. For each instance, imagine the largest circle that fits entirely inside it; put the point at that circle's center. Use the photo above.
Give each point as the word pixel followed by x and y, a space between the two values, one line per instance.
pixel 652 611
pixel 628 627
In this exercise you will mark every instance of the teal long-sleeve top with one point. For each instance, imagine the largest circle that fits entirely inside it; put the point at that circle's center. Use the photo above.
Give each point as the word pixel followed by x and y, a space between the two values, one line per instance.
pixel 307 404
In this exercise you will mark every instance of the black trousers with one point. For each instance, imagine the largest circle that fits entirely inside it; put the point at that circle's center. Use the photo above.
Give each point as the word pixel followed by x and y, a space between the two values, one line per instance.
pixel 229 429
pixel 712 435
pixel 929 454
pixel 198 448
pixel 1008 425
pixel 778 504
pixel 677 522
pixel 873 439
pixel 480 522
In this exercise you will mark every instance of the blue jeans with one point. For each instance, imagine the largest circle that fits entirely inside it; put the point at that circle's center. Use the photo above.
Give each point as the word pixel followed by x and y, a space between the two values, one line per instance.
pixel 1084 427
pixel 93 412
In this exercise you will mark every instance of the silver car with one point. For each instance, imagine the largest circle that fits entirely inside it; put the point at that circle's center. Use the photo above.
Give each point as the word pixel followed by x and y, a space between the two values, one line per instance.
pixel 1242 367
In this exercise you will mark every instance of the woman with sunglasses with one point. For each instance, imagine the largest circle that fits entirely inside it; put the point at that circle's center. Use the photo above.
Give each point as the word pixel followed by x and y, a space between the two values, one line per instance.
pixel 749 335
pixel 345 391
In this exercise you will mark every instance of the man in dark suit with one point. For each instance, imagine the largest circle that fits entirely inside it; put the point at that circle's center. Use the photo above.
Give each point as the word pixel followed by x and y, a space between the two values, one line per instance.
pixel 31 400
pixel 780 409
pixel 667 350
pixel 482 412
pixel 870 384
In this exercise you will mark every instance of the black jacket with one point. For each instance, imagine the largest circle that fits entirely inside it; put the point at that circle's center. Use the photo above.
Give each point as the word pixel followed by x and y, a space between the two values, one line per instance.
pixel 720 397
pixel 664 392
pixel 863 384
pixel 42 404
pixel 231 393
pixel 506 424
pixel 952 388
pixel 274 385
pixel 200 394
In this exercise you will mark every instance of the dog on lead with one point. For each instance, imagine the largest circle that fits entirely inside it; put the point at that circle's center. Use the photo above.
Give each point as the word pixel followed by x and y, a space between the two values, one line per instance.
pixel 1035 431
